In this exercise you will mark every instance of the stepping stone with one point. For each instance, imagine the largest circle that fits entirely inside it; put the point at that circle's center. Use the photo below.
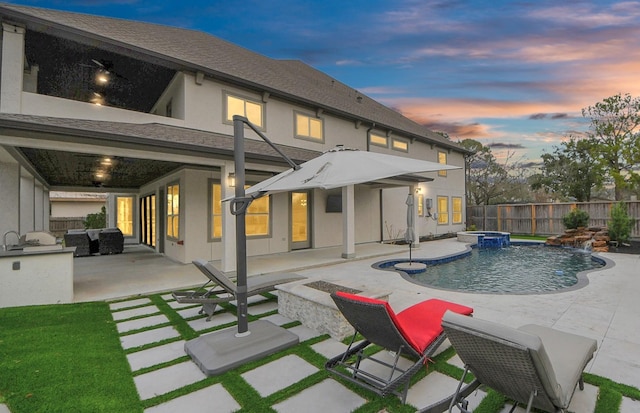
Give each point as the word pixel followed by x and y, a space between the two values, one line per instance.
pixel 329 348
pixel 156 355
pixel 148 337
pixel 200 401
pixel 629 405
pixel 278 374
pixel 262 308
pixel 130 303
pixel 139 323
pixel 584 400
pixel 217 320
pixel 177 305
pixel 278 319
pixel 190 312
pixel 134 312
pixel 326 396
pixel 170 378
pixel 304 333
pixel 435 387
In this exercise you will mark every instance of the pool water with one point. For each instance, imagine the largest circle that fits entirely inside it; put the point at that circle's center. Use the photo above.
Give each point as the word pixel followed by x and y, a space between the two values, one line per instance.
pixel 523 269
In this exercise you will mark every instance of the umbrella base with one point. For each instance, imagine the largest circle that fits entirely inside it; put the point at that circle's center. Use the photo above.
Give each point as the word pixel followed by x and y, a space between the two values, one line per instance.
pixel 221 351
pixel 410 267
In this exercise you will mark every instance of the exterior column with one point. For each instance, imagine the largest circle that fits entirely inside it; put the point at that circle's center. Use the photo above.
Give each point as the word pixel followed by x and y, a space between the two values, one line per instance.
pixel 12 68
pixel 228 221
pixel 348 222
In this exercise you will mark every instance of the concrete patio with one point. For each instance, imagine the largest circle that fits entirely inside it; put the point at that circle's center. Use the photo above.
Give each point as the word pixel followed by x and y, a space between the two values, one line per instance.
pixel 606 310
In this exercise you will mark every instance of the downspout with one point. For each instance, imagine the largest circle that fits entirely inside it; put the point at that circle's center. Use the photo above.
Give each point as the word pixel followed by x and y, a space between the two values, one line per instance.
pixel 368 145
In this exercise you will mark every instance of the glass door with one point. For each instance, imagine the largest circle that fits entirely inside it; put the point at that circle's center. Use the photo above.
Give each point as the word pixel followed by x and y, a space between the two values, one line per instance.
pixel 300 220
pixel 148 220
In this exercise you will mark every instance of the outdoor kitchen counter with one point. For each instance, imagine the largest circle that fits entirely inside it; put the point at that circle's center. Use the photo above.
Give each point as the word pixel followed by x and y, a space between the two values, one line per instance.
pixel 36 275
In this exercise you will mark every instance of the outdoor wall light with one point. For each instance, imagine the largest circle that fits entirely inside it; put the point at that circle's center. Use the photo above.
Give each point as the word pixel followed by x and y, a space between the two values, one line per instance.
pixel 231 180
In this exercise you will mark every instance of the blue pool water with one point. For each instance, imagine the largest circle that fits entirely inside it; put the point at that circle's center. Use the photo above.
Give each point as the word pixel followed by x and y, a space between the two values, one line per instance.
pixel 518 269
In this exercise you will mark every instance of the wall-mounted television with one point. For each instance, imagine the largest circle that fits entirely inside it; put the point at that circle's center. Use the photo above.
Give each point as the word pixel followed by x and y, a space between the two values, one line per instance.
pixel 334 203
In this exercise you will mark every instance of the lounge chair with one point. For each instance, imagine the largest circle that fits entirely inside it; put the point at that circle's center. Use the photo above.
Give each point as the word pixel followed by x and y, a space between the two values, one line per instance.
pixel 534 365
pixel 415 332
pixel 221 284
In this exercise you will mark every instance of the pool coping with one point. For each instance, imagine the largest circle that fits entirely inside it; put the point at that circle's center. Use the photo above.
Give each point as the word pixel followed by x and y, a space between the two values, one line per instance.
pixel 582 276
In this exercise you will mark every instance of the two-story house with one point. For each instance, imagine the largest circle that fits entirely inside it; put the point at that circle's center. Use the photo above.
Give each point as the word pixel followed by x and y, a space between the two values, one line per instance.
pixel 144 112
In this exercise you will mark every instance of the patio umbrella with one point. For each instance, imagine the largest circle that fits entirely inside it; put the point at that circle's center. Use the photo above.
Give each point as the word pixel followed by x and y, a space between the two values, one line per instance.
pixel 340 167
pixel 410 235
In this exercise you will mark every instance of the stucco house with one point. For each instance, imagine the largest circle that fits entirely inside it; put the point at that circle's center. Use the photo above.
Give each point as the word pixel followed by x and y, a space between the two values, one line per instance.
pixel 143 113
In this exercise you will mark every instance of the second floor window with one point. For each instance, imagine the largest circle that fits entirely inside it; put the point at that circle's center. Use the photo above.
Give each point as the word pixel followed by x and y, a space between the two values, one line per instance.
pixel 308 127
pixel 378 140
pixel 442 159
pixel 252 110
pixel 400 145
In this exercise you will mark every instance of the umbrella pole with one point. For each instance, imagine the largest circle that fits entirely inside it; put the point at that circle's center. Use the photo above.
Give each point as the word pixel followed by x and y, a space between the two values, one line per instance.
pixel 241 235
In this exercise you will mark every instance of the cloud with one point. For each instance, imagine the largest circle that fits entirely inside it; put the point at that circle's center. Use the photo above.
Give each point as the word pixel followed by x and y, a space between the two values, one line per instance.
pixel 504 145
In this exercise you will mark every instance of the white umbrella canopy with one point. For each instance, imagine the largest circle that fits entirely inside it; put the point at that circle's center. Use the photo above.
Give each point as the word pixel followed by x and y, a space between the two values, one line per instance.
pixel 342 166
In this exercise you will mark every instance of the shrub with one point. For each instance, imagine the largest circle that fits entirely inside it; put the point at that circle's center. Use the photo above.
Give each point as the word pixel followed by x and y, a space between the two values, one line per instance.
pixel 97 220
pixel 621 223
pixel 575 219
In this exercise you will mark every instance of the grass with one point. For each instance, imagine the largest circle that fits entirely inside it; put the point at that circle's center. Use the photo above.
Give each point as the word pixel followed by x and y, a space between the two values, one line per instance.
pixel 68 358
pixel 64 358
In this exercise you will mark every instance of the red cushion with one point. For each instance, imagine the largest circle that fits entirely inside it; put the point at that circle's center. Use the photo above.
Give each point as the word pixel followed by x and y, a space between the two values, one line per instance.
pixel 422 322
pixel 419 324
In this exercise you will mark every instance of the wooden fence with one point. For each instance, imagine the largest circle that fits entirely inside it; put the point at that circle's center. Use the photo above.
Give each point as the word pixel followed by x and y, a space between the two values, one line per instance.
pixel 58 226
pixel 543 219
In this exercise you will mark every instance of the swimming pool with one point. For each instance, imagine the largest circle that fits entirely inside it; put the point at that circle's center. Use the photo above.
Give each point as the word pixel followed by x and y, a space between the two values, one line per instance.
pixel 518 269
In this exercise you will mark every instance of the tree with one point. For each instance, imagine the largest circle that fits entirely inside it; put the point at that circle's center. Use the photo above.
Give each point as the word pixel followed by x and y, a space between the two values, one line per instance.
pixel 97 220
pixel 571 171
pixel 488 181
pixel 614 127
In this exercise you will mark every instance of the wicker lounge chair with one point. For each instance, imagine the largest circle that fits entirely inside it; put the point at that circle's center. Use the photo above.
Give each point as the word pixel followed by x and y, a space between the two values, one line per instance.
pixel 415 332
pixel 534 365
pixel 222 289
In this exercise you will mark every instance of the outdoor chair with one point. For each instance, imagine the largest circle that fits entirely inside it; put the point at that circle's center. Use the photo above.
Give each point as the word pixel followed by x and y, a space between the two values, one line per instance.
pixel 111 241
pixel 415 332
pixel 222 290
pixel 534 365
pixel 79 239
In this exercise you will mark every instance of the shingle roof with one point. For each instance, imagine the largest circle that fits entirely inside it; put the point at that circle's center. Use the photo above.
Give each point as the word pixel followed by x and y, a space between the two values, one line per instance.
pixel 216 57
pixel 154 136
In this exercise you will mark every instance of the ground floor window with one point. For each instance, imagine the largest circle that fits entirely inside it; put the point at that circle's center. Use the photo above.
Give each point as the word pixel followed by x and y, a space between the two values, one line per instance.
pixel 257 218
pixel 124 215
pixel 173 211
pixel 456 210
pixel 443 210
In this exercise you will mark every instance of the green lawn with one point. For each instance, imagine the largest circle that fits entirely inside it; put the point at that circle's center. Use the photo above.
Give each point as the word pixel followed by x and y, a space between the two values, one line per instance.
pixel 64 358
pixel 68 358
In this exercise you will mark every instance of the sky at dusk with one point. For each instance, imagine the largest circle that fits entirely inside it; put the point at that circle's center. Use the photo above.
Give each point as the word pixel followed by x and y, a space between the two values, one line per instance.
pixel 513 75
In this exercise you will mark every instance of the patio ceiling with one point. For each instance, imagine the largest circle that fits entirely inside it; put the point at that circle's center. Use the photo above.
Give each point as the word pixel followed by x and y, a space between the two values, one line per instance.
pixel 81 170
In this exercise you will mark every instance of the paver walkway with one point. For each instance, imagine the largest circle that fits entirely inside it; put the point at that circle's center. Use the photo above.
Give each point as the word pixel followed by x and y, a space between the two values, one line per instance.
pixel 168 381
